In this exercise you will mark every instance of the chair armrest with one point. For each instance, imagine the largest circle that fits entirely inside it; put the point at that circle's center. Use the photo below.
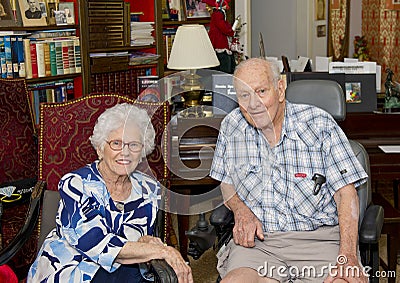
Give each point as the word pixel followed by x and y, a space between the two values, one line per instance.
pixel 221 216
pixel 29 225
pixel 371 226
pixel 163 272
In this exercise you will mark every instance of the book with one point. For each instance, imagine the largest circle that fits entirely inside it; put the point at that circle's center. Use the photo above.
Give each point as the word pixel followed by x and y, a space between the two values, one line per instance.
pixel 148 88
pixel 65 56
pixel 3 65
pixel 14 57
pixel 70 89
pixel 53 60
pixel 21 57
pixel 71 56
pixel 27 56
pixel 40 59
pixel 32 47
pixel 8 56
pixel 47 67
pixel 77 53
pixel 59 57
pixel 224 95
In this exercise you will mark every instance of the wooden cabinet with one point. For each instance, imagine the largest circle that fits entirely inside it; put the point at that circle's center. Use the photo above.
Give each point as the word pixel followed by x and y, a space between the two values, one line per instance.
pixel 106 45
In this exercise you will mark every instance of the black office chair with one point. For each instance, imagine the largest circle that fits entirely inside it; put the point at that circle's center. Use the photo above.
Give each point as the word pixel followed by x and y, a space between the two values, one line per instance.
pixel 329 96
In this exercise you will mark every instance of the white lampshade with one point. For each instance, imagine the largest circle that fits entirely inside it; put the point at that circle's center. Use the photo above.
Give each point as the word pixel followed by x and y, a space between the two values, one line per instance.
pixel 192 49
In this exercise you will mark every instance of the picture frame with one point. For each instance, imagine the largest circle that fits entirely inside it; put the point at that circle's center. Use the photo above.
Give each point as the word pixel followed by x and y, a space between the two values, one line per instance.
pixel 195 9
pixel 31 13
pixel 8 14
pixel 43 8
pixel 59 16
pixel 392 4
pixel 320 10
pixel 321 30
pixel 334 4
pixel 51 18
pixel 69 12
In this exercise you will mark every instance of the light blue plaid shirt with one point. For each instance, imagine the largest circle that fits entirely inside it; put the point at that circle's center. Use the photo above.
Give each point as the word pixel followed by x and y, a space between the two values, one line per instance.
pixel 275 183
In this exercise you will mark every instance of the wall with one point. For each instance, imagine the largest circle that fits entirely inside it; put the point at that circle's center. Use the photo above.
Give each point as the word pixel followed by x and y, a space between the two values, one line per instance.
pixel 277 22
pixel 355 23
pixel 289 27
pixel 242 8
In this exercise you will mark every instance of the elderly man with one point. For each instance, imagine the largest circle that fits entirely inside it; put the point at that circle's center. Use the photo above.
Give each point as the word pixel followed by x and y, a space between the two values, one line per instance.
pixel 267 153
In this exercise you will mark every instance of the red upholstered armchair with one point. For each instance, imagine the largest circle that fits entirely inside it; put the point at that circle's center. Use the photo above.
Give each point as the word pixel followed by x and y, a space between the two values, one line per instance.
pixel 18 166
pixel 64 134
pixel 64 146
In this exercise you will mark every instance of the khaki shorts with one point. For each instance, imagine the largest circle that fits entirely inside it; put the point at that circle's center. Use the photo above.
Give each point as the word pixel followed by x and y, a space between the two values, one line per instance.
pixel 286 256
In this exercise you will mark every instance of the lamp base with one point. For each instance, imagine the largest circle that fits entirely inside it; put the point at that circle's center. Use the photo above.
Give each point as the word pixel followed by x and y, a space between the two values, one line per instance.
pixel 193 97
pixel 193 112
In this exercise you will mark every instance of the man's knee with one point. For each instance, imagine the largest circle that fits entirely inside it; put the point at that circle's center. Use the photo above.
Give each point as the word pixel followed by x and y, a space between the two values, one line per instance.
pixel 245 274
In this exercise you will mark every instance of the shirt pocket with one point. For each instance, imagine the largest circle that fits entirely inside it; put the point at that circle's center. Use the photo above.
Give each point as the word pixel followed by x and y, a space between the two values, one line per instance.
pixel 302 199
pixel 247 179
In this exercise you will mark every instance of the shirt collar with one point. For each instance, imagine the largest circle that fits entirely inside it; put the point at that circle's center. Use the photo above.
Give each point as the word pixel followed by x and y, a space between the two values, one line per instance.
pixel 289 128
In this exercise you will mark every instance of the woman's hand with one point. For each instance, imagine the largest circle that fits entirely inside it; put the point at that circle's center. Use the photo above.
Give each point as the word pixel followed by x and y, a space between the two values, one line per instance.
pixel 181 268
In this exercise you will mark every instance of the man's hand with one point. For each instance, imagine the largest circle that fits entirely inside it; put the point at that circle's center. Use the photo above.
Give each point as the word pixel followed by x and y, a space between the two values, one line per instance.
pixel 246 227
pixel 347 269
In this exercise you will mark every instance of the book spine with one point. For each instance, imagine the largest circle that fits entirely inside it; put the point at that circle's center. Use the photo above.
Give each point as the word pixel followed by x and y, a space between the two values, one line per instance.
pixel 77 51
pixel 28 61
pixel 40 59
pixel 71 57
pixel 65 56
pixel 21 57
pixel 47 67
pixel 53 59
pixel 50 95
pixel 8 56
pixel 36 104
pixel 14 56
pixel 59 58
pixel 3 64
pixel 34 64
pixel 70 89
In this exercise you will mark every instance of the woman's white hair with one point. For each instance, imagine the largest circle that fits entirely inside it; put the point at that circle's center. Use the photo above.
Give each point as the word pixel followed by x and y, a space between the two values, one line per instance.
pixel 123 115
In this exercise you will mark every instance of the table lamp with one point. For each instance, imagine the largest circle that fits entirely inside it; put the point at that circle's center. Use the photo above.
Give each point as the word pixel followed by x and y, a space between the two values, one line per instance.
pixel 192 50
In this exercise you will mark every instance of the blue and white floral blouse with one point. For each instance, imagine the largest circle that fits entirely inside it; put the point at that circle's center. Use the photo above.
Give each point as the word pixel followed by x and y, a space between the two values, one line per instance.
pixel 91 229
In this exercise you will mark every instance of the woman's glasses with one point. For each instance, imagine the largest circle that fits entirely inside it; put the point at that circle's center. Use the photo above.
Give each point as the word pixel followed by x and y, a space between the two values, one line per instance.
pixel 118 145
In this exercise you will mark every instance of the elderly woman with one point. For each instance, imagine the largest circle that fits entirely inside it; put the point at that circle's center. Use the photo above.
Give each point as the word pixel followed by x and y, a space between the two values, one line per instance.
pixel 107 210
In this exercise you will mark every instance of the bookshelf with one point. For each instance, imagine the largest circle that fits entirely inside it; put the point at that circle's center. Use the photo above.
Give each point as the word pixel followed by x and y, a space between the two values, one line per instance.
pixel 49 77
pixel 106 44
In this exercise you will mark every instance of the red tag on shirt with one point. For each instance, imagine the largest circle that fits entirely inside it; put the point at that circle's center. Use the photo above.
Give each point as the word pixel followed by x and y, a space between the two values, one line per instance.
pixel 300 175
